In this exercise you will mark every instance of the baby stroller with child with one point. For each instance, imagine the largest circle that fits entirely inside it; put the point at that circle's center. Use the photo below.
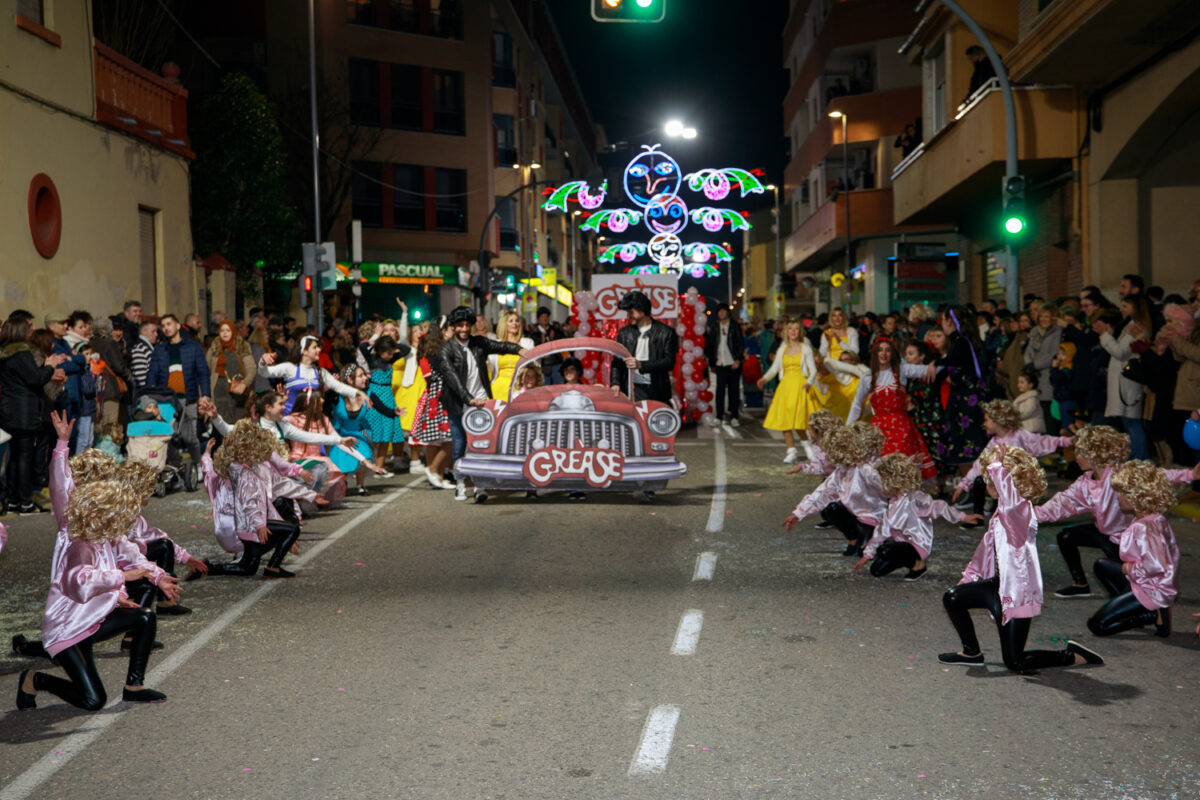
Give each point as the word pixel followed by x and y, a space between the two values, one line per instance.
pixel 157 441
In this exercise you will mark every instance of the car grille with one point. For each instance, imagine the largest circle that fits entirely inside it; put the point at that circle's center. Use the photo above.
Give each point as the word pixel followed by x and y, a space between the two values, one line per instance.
pixel 519 435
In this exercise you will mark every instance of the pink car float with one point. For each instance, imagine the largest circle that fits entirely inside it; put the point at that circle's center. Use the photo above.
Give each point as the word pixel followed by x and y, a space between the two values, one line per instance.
pixel 579 437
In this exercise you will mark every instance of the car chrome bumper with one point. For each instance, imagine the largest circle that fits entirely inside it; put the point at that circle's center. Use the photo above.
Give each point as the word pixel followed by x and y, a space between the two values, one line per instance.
pixel 508 472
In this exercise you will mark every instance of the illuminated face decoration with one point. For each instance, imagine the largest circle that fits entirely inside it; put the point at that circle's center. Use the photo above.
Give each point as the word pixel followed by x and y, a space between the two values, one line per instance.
pixel 651 173
pixel 665 248
pixel 666 214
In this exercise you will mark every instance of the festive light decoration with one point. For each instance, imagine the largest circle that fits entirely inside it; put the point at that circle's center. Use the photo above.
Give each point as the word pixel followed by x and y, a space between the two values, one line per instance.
pixel 627 252
pixel 616 220
pixel 716 183
pixel 652 181
pixel 562 195
pixel 713 219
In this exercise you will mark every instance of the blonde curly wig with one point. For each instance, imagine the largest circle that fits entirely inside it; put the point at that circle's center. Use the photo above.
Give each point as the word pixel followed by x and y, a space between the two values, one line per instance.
pixel 1004 414
pixel 872 438
pixel 248 443
pixel 366 330
pixel 1027 474
pixel 102 511
pixel 91 465
pixel 844 448
pixel 139 476
pixel 898 474
pixel 1145 486
pixel 822 422
pixel 1102 446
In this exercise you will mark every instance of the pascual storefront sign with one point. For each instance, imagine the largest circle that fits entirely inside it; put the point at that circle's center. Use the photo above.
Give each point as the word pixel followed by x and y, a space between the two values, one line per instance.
pixel 383 272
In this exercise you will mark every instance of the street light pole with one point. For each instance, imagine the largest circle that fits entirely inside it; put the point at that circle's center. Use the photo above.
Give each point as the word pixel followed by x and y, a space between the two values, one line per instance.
pixel 314 309
pixel 483 259
pixel 846 190
pixel 778 253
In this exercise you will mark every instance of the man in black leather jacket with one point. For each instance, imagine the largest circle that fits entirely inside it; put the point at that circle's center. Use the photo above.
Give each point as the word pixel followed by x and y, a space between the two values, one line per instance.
pixel 464 370
pixel 652 371
pixel 726 362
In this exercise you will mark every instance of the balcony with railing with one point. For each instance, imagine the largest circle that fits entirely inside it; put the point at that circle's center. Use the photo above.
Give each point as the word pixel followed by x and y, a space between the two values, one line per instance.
pixel 963 162
pixel 823 234
pixel 135 101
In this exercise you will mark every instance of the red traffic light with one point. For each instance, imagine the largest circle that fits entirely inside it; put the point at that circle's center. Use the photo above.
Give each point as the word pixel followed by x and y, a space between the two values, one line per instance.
pixel 308 283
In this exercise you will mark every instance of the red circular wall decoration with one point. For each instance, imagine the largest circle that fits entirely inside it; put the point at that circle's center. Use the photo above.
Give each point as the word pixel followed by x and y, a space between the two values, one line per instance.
pixel 45 215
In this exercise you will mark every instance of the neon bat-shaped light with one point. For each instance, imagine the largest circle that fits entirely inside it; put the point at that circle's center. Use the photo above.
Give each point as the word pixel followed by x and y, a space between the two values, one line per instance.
pixel 562 195
pixel 626 252
pixel 713 219
pixel 716 183
pixel 700 252
pixel 616 220
pixel 695 270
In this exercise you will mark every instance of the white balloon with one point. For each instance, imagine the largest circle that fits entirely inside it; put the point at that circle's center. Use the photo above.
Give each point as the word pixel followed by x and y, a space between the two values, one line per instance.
pixel 702 386
pixel 681 329
pixel 702 407
pixel 699 329
pixel 590 374
pixel 584 329
pixel 692 290
pixel 689 387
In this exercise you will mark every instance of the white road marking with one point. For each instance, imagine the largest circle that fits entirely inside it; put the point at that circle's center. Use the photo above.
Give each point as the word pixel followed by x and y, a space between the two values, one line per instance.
pixel 706 565
pixel 716 512
pixel 652 753
pixel 96 724
pixel 756 444
pixel 688 634
pixel 730 430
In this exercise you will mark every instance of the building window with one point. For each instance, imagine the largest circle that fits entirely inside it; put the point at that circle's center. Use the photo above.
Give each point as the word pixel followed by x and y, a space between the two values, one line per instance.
pixel 366 193
pixel 451 187
pixel 32 10
pixel 449 115
pixel 395 15
pixel 148 259
pixel 506 212
pixel 364 92
pixel 503 71
pixel 446 18
pixel 406 97
pixel 506 140
pixel 408 203
pixel 551 144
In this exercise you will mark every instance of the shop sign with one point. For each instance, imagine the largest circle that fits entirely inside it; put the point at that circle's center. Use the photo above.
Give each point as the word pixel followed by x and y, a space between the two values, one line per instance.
pixel 386 272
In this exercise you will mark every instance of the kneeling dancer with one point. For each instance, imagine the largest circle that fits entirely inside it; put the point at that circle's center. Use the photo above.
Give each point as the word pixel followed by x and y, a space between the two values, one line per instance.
pixel 1004 576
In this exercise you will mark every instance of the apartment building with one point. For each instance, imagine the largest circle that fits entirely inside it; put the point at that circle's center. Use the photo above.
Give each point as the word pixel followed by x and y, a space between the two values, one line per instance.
pixel 94 164
pixel 444 107
pixel 847 78
pixel 1106 98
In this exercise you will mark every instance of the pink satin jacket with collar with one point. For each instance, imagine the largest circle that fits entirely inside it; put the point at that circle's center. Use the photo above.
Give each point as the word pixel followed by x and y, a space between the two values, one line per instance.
pixel 857 488
pixel 1036 444
pixel 909 518
pixel 1148 547
pixel 1093 494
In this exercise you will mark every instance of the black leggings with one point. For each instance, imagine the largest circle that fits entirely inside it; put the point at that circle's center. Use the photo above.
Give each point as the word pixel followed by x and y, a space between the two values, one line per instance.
pixel 985 594
pixel 978 494
pixel 893 555
pixel 1123 611
pixel 283 536
pixel 844 520
pixel 18 473
pixel 83 687
pixel 1077 536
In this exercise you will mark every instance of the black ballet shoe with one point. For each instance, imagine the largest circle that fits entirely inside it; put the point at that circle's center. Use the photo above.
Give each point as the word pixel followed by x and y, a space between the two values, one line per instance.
pixel 278 572
pixel 914 574
pixel 823 526
pixel 1089 656
pixel 1163 629
pixel 18 642
pixel 25 701
pixel 142 696
pixel 961 660
pixel 126 644
pixel 173 610
pixel 852 549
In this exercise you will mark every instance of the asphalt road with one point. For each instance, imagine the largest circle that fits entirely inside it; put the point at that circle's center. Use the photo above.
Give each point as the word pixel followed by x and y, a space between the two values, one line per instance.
pixel 546 649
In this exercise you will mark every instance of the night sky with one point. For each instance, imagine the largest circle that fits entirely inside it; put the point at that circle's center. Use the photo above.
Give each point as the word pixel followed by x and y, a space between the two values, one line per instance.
pixel 714 64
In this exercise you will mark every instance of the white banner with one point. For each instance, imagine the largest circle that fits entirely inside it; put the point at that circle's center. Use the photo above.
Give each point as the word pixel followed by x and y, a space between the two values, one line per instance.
pixel 663 291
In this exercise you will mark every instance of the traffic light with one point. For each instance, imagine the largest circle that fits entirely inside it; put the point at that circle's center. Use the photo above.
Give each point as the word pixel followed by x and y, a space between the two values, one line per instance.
pixel 1015 221
pixel 306 283
pixel 629 10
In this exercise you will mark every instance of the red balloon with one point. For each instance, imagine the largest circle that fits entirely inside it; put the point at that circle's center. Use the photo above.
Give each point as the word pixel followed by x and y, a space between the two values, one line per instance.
pixel 706 396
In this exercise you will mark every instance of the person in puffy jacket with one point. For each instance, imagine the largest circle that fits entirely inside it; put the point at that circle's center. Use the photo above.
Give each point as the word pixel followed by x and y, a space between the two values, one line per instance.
pixel 22 380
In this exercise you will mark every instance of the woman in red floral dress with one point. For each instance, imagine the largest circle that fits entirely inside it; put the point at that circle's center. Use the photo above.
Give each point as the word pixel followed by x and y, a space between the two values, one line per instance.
pixel 881 384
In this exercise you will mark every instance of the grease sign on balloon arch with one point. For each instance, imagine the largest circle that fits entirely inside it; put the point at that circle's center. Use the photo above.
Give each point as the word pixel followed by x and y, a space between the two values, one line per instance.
pixel 596 313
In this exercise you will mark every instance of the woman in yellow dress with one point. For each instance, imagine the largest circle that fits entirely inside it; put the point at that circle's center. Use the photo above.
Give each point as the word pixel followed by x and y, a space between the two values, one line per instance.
pixel 799 393
pixel 837 339
pixel 408 384
pixel 509 329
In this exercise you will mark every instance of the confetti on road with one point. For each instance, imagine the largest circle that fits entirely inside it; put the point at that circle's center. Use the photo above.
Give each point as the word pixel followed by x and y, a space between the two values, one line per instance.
pixel 245 769
pixel 358 564
pixel 341 688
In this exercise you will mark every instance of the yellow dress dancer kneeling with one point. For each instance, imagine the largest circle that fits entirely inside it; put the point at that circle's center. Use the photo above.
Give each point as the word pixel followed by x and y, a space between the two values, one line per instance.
pixel 799 394
pixel 509 329
pixel 839 339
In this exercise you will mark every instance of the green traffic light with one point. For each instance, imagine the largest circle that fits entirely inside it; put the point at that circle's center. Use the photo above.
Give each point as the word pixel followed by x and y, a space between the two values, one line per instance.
pixel 1014 225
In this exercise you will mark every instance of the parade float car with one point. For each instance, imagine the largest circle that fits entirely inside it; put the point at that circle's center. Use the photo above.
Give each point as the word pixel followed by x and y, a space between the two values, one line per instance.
pixel 579 437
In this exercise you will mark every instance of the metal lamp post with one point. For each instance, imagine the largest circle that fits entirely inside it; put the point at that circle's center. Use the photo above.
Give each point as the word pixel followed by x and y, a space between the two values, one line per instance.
pixel 846 189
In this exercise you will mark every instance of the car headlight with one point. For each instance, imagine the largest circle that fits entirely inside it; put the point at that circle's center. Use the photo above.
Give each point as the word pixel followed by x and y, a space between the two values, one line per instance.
pixel 478 420
pixel 663 422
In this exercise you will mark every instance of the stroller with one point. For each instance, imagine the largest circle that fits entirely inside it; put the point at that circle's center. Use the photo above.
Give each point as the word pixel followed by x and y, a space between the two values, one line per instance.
pixel 159 443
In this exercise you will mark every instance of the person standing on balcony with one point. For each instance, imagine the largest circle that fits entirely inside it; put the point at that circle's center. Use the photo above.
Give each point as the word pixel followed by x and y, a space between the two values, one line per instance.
pixel 725 348
pixel 982 72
